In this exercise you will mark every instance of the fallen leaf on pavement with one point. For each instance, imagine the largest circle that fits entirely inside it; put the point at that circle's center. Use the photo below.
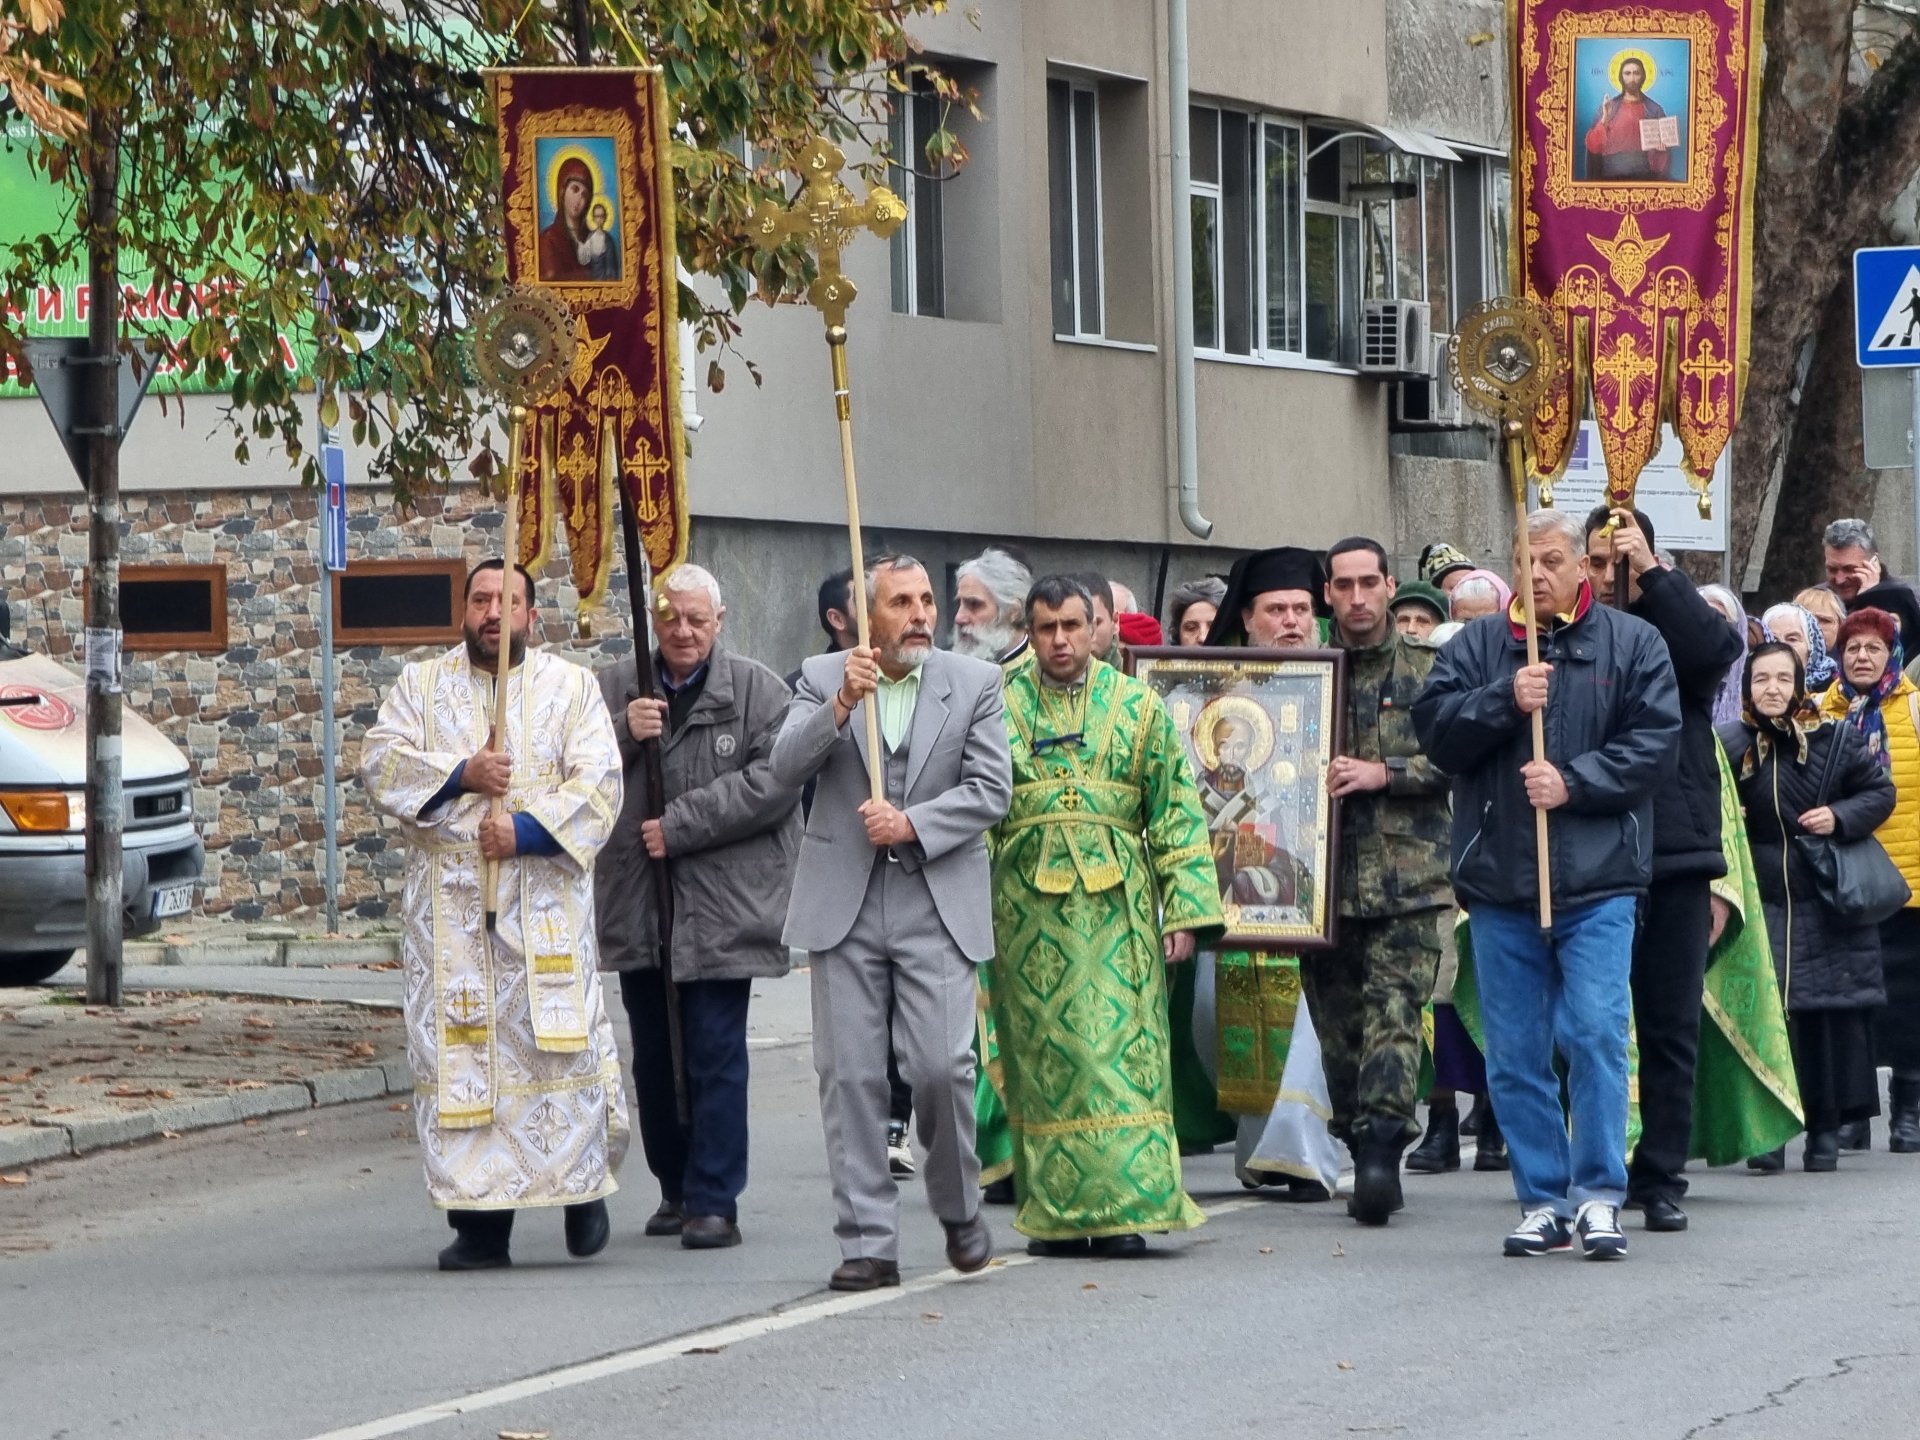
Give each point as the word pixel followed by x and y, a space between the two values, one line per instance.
pixel 1089 1285
pixel 1266 1249
pixel 399 1105
pixel 13 1179
pixel 20 1077
pixel 704 1350
pixel 299 1132
pixel 363 1048
pixel 1344 1364
pixel 1339 1251
pixel 255 1022
pixel 931 1315
pixel 128 1092
pixel 525 1434
pixel 248 1084
pixel 169 1134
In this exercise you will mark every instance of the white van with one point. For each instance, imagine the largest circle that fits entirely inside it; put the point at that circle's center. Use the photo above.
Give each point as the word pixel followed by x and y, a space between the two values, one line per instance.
pixel 43 775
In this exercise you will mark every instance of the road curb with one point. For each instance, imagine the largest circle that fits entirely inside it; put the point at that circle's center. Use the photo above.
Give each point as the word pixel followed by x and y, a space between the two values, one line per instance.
pixel 87 1132
pixel 273 951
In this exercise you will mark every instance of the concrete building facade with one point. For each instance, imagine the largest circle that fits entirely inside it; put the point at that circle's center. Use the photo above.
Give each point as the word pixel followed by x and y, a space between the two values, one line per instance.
pixel 1014 377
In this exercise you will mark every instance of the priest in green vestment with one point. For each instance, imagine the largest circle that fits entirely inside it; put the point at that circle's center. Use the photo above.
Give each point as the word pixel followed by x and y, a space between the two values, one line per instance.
pixel 1102 875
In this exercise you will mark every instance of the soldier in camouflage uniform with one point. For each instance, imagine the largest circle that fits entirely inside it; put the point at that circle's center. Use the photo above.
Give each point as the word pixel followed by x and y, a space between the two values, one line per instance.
pixel 1367 994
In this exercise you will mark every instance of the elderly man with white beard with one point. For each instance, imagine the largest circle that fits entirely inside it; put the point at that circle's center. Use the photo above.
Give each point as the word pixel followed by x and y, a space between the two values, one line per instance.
pixel 989 612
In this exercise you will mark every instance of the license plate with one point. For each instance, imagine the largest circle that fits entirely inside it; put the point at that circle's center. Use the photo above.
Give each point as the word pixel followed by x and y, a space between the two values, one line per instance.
pixel 174 900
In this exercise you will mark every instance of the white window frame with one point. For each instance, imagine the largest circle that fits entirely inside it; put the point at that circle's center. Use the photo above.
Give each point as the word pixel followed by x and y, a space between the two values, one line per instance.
pixel 1081 329
pixel 906 160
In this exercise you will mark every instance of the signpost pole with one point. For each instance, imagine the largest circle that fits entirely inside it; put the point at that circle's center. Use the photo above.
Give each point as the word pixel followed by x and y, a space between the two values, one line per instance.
pixel 1913 450
pixel 333 560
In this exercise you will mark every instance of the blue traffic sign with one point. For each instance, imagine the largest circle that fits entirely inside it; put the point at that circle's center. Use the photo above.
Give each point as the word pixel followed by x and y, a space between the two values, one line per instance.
pixel 1886 305
pixel 333 532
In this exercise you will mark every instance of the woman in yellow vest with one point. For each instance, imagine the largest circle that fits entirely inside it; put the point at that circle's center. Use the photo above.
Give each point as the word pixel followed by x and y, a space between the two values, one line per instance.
pixel 1874 697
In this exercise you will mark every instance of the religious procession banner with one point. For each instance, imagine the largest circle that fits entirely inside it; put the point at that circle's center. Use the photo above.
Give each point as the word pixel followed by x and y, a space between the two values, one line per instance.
pixel 588 193
pixel 1633 166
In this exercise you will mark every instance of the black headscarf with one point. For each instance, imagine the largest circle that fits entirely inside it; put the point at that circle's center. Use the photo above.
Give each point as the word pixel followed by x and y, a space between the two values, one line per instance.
pixel 1792 727
pixel 1287 568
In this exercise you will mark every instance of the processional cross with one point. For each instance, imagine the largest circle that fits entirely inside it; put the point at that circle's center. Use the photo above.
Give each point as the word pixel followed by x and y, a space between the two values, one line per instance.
pixel 825 216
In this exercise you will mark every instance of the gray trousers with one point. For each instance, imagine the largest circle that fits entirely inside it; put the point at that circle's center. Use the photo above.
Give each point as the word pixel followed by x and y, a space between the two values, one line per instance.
pixel 898 955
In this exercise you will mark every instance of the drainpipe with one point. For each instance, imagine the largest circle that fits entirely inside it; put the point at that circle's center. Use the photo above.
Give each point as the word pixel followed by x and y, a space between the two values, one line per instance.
pixel 1185 434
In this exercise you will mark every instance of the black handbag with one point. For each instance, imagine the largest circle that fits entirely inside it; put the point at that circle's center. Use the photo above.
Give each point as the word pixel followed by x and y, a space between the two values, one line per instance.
pixel 1856 879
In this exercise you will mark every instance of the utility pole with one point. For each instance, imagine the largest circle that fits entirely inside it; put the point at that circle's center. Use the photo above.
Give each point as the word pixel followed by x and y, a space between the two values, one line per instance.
pixel 101 410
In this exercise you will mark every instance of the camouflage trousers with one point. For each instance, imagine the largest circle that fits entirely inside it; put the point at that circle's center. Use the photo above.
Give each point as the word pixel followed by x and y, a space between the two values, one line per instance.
pixel 1366 997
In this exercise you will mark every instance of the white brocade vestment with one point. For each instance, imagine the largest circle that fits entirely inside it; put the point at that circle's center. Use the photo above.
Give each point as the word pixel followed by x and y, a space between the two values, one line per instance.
pixel 517 1087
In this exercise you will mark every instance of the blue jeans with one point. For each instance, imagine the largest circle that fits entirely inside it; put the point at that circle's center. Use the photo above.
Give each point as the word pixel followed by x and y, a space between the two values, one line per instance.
pixel 1569 991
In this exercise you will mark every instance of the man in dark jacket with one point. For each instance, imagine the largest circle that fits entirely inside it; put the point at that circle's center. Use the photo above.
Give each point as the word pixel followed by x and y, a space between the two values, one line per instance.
pixel 730 833
pixel 1366 996
pixel 1612 721
pixel 1681 918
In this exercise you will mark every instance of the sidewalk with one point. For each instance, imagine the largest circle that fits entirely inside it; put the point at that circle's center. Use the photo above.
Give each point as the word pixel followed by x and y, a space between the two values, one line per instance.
pixel 75 1078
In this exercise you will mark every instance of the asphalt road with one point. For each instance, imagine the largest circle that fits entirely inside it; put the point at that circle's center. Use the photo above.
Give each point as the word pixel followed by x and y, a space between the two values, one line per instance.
pixel 275 1281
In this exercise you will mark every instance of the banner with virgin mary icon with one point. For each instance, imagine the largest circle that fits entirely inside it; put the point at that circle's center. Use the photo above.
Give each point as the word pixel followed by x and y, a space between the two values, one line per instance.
pixel 588 189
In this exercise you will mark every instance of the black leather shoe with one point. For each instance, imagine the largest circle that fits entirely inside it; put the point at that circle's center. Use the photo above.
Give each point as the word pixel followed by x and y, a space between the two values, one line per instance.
pixel 667 1219
pixel 1439 1152
pixel 969 1245
pixel 1771 1163
pixel 708 1232
pixel 1000 1192
pixel 1470 1123
pixel 863 1273
pixel 1823 1151
pixel 1306 1192
pixel 1057 1249
pixel 1856 1135
pixel 1665 1214
pixel 588 1229
pixel 482 1240
pixel 1119 1247
pixel 1903 1124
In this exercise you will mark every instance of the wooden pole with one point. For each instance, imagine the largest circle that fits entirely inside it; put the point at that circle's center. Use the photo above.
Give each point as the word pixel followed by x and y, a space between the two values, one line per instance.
pixel 843 407
pixel 1517 476
pixel 509 587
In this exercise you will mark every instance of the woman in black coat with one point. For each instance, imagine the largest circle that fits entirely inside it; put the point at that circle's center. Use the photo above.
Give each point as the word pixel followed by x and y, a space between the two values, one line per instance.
pixel 1828 968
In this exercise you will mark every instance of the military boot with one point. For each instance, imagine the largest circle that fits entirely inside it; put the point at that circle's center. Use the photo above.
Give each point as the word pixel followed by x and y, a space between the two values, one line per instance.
pixel 1903 1129
pixel 1440 1150
pixel 1490 1149
pixel 1379 1141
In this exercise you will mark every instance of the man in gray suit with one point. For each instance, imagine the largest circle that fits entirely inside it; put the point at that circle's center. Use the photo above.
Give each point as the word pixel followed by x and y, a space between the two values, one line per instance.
pixel 891 901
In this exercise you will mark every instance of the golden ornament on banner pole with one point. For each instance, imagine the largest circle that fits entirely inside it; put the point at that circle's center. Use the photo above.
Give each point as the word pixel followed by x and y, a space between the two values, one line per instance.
pixel 826 216
pixel 1503 360
pixel 523 346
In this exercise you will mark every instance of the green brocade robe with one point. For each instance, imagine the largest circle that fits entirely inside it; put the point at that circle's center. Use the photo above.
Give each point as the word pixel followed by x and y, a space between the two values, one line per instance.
pixel 1104 850
pixel 1746 1097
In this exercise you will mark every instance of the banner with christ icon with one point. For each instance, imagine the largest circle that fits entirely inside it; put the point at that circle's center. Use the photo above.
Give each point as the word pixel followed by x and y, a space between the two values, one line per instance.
pixel 1633 169
pixel 588 192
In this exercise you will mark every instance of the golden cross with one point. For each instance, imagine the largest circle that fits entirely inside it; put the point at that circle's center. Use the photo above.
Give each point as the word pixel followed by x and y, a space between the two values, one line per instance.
pixel 577 466
pixel 1706 367
pixel 827 216
pixel 643 467
pixel 1623 367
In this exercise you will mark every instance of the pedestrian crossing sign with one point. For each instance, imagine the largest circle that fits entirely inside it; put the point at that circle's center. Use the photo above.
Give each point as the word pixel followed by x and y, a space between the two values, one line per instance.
pixel 1886 305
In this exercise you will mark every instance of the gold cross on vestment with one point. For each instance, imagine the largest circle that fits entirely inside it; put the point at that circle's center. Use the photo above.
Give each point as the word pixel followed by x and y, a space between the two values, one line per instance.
pixel 826 216
pixel 1623 368
pixel 1705 368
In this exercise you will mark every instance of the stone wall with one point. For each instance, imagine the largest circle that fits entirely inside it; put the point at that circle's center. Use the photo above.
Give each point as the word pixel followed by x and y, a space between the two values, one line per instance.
pixel 248 718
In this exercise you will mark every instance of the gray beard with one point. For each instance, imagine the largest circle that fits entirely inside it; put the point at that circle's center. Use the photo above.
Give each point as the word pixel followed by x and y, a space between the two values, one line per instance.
pixel 986 642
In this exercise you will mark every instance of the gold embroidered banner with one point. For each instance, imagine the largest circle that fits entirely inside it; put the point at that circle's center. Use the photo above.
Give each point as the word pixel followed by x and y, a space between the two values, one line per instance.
pixel 1633 171
pixel 588 192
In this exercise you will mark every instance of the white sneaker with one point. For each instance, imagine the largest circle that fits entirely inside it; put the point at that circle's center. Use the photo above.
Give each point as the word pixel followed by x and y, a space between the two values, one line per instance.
pixel 1598 1225
pixel 899 1153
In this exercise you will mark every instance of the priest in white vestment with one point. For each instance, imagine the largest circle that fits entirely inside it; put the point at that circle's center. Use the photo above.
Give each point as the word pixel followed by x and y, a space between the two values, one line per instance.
pixel 517 1088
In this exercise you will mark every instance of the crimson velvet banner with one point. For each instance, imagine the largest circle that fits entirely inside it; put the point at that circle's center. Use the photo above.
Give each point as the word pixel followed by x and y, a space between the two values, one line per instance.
pixel 1633 165
pixel 588 192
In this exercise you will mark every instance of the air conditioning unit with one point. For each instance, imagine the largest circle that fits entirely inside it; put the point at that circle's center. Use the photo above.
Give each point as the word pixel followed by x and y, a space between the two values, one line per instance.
pixel 1429 402
pixel 1395 337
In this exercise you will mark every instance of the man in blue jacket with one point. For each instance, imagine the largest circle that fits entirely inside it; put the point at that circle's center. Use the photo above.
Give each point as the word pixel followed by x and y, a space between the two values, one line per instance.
pixel 1612 721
